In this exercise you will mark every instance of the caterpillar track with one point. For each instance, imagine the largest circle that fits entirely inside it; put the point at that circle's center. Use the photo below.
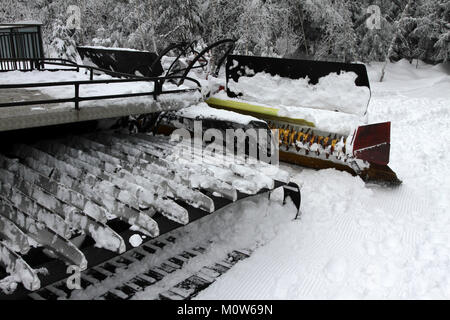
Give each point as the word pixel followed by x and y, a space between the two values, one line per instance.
pixel 76 200
pixel 147 270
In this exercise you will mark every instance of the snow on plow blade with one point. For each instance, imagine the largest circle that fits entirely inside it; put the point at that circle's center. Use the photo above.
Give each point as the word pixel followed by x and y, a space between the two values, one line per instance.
pixel 314 106
pixel 238 66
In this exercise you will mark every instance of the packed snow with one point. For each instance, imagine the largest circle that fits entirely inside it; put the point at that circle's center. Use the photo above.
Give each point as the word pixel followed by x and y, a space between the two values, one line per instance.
pixel 356 240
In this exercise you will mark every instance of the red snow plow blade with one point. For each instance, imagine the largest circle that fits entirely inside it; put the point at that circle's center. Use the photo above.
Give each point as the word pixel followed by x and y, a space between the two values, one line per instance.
pixel 372 143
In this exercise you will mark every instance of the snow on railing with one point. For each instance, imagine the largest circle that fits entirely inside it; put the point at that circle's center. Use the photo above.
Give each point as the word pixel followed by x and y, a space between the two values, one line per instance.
pixel 39 64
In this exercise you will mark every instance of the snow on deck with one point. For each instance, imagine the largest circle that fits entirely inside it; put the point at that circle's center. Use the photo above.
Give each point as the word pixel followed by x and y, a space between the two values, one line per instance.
pixel 335 104
pixel 356 240
pixel 41 115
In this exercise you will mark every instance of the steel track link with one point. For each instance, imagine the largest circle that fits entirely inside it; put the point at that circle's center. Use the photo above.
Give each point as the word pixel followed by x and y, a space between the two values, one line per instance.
pixel 156 273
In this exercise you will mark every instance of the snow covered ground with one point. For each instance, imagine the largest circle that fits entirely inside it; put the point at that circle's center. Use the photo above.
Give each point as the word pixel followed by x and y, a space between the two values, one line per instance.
pixel 356 240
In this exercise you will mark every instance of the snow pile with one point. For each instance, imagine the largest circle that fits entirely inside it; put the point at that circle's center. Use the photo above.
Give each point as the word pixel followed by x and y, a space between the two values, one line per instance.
pixel 333 92
pixel 335 122
pixel 324 120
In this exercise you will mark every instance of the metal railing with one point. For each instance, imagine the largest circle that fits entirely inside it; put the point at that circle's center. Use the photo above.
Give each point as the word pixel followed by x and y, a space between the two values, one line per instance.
pixel 40 64
pixel 76 99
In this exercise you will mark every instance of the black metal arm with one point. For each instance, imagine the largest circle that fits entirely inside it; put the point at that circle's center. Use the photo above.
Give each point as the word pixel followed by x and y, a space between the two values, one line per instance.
pixel 207 49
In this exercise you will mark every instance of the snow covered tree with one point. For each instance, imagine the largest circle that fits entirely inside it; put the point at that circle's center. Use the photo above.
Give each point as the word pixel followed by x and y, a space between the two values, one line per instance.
pixel 61 43
pixel 15 10
pixel 373 40
pixel 318 29
pixel 331 27
pixel 59 37
pixel 422 32
pixel 261 27
pixel 179 20
pixel 220 17
pixel 397 33
pixel 430 35
pixel 278 35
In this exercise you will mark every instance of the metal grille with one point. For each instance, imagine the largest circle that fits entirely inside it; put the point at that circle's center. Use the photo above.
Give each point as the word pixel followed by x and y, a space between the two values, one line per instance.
pixel 21 48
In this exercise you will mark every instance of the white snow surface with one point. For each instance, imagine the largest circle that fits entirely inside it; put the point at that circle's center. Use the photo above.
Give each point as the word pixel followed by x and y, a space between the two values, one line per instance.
pixel 359 241
pixel 333 92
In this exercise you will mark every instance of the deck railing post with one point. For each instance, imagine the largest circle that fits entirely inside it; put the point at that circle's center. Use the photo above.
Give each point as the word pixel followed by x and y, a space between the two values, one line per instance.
pixel 157 89
pixel 77 96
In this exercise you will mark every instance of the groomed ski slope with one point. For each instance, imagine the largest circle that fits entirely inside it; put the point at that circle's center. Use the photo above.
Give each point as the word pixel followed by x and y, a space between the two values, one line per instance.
pixel 357 241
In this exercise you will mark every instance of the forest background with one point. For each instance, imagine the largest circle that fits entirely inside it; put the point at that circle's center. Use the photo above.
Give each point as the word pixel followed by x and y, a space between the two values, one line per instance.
pixel 359 30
